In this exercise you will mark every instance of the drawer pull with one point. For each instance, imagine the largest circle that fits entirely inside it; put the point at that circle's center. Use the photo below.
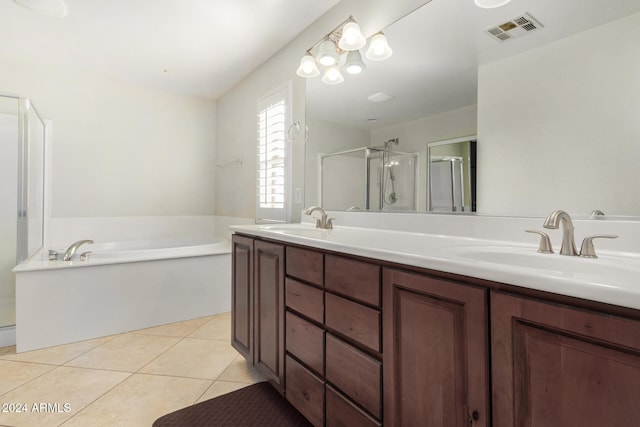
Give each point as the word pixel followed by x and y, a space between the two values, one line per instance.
pixel 306 395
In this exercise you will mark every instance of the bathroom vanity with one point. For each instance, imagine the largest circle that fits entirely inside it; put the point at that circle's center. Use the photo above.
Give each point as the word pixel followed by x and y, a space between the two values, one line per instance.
pixel 351 335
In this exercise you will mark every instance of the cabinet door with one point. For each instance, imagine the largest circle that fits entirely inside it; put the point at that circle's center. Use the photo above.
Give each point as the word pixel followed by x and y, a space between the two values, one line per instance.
pixel 435 349
pixel 269 311
pixel 242 296
pixel 554 365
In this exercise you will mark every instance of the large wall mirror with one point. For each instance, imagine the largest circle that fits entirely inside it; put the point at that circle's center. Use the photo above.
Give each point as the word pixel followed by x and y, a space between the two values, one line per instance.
pixel 541 102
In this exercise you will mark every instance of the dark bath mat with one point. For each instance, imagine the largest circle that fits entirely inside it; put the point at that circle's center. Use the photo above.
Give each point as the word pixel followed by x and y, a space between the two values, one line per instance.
pixel 256 405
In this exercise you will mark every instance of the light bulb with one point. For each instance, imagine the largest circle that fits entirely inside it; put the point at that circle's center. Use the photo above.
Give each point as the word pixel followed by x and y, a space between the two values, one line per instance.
pixel 379 48
pixel 308 67
pixel 328 54
pixel 332 76
pixel 352 38
pixel 354 64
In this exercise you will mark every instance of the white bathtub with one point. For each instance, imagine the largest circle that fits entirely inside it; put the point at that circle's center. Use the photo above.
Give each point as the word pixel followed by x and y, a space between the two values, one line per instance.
pixel 140 250
pixel 122 286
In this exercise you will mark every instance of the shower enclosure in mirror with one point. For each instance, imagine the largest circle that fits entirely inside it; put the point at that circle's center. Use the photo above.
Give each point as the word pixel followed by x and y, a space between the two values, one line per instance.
pixel 368 179
pixel 22 142
pixel 451 172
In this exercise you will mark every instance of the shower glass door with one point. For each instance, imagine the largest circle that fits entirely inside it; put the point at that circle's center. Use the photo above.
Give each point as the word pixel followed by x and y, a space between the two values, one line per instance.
pixel 22 136
pixel 9 149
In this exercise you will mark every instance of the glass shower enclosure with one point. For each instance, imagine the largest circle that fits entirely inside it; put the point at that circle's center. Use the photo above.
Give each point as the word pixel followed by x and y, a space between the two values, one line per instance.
pixel 368 179
pixel 22 144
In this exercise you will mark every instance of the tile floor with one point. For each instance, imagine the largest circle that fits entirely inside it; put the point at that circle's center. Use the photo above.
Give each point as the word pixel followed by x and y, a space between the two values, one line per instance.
pixel 125 380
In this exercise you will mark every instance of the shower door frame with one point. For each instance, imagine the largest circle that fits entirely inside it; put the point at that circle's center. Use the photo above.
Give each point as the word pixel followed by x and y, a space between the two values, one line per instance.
pixel 23 183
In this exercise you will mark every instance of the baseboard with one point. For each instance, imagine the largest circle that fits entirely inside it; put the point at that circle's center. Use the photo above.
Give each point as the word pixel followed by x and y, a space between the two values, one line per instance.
pixel 7 336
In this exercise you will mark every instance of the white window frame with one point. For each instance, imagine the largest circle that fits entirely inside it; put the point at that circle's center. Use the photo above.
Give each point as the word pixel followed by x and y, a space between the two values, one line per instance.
pixel 275 214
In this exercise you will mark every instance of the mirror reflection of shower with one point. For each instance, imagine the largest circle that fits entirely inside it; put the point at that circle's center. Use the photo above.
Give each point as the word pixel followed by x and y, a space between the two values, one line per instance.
pixel 389 196
pixel 451 175
pixel 369 178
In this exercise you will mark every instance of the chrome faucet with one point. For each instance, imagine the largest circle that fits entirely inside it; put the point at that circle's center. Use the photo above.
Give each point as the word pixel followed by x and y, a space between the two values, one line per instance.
pixel 322 222
pixel 71 250
pixel 568 243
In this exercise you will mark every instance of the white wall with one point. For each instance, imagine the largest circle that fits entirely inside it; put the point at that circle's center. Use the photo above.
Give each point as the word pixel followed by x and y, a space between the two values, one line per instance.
pixel 236 110
pixel 119 149
pixel 559 126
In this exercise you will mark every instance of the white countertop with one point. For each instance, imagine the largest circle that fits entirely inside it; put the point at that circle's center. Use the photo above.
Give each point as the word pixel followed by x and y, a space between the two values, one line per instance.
pixel 613 277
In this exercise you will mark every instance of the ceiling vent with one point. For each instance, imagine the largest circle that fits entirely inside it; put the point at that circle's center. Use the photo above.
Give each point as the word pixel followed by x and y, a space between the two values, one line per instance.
pixel 516 27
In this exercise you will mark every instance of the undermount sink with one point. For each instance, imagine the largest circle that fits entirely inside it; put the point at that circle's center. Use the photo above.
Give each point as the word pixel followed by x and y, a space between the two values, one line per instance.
pixel 525 257
pixel 298 230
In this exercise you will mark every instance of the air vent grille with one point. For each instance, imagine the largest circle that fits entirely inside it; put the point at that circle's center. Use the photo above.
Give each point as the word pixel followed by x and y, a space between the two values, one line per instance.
pixel 516 27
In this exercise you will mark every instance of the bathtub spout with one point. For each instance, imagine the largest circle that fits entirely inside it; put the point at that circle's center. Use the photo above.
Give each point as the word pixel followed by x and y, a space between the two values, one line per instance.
pixel 71 250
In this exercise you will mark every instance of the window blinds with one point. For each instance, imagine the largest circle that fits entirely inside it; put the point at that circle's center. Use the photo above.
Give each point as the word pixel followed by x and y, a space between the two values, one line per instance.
pixel 272 171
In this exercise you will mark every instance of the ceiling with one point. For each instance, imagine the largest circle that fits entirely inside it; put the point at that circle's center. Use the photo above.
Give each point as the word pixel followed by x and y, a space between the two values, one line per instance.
pixel 436 54
pixel 197 47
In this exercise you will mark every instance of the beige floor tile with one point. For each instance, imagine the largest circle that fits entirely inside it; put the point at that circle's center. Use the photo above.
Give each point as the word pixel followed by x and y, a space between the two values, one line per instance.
pixel 57 355
pixel 8 350
pixel 14 374
pixel 241 372
pixel 221 387
pixel 128 352
pixel 64 391
pixel 194 358
pixel 218 328
pixel 140 400
pixel 178 329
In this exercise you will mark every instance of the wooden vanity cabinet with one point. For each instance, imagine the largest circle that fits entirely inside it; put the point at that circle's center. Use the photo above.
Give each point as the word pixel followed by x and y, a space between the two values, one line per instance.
pixel 242 296
pixel 354 342
pixel 435 336
pixel 269 311
pixel 554 365
pixel 333 338
pixel 258 305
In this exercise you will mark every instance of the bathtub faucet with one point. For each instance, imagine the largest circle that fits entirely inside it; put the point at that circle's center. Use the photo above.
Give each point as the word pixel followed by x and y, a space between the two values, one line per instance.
pixel 71 250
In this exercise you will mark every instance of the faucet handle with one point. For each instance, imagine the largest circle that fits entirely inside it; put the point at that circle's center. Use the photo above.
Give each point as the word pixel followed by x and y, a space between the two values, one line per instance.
pixel 588 250
pixel 545 243
pixel 329 224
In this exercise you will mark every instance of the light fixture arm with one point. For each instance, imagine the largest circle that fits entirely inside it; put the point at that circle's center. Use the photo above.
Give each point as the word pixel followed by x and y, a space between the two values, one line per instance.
pixel 333 35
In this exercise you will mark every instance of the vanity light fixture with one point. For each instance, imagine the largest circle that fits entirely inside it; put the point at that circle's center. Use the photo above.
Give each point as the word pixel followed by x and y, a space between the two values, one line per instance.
pixel 352 38
pixel 308 67
pixel 332 76
pixel 379 48
pixel 340 50
pixel 328 54
pixel 354 64
pixel 490 4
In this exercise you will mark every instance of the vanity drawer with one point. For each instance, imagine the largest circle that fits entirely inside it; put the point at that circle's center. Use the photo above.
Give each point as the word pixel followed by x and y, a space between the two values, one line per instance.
pixel 305 265
pixel 340 412
pixel 353 320
pixel 305 341
pixel 355 373
pixel 304 299
pixel 356 279
pixel 305 391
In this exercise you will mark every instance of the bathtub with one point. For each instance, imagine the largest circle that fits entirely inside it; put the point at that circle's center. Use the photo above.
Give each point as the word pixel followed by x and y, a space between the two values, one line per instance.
pixel 120 287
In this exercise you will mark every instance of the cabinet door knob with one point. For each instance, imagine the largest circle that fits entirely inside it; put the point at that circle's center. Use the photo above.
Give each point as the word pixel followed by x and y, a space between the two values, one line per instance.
pixel 475 416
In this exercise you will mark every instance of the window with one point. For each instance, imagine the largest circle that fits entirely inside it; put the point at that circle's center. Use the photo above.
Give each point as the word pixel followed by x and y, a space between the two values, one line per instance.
pixel 273 164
